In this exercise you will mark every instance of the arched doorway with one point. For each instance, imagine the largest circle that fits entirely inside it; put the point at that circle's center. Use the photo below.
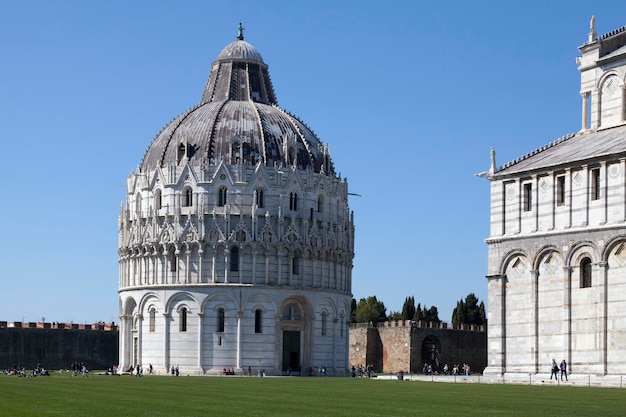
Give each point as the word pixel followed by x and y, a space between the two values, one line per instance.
pixel 292 330
pixel 430 352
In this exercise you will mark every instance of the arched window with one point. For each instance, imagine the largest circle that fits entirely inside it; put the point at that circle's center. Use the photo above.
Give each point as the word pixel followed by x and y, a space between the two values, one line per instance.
pixel 221 196
pixel 585 273
pixel 235 153
pixel 234 258
pixel 220 320
pixel 152 320
pixel 172 260
pixel 293 201
pixel 258 321
pixel 187 197
pixel 158 200
pixel 182 325
pixel 260 202
pixel 324 322
pixel 320 203
pixel 292 312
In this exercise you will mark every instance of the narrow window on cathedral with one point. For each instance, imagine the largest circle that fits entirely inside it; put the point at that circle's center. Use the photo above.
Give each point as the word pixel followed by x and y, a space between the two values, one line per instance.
pixel 585 273
pixel 259 198
pixel 158 200
pixel 234 258
pixel 560 190
pixel 324 322
pixel 258 321
pixel 528 196
pixel 320 203
pixel 172 262
pixel 220 320
pixel 152 320
pixel 187 197
pixel 595 184
pixel 221 196
pixel 182 325
pixel 293 201
pixel 295 264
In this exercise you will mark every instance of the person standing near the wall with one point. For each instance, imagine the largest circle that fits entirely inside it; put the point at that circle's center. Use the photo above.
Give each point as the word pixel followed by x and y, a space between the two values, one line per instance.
pixel 563 367
pixel 554 370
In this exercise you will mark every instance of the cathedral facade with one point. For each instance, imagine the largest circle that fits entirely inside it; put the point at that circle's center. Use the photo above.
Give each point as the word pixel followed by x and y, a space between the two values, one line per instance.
pixel 236 240
pixel 557 244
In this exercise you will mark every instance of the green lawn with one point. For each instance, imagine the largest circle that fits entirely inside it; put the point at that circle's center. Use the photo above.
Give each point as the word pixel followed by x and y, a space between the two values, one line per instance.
pixel 96 395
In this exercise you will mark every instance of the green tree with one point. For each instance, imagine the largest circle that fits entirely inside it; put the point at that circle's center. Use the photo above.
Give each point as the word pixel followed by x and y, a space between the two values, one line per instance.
pixel 395 316
pixel 469 311
pixel 408 309
pixel 370 310
pixel 353 311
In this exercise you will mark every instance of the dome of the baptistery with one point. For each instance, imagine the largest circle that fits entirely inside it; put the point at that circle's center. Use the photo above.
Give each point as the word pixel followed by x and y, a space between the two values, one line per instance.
pixel 240 50
pixel 236 239
pixel 237 121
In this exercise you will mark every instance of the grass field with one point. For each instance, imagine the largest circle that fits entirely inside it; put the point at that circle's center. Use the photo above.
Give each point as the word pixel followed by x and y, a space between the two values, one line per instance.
pixel 97 395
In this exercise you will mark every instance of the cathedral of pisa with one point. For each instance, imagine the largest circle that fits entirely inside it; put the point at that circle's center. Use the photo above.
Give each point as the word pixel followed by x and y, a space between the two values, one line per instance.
pixel 236 240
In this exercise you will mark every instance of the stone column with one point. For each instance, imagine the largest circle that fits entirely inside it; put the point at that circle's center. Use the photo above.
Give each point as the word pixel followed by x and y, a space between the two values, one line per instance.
pixel 200 341
pixel 496 334
pixel 596 100
pixel 623 103
pixel 587 193
pixel 534 294
pixel 567 306
pixel 166 341
pixel 239 318
pixel 200 259
pixel 603 295
pixel 604 195
pixel 187 265
pixel 226 264
pixel 139 333
pixel 585 115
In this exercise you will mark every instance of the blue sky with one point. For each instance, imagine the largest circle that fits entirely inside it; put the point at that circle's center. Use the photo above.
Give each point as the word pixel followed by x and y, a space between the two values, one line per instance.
pixel 410 95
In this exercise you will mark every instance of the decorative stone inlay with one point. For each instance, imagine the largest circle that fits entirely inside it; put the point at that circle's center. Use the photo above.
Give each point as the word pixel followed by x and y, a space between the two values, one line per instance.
pixel 614 170
pixel 577 178
pixel 510 192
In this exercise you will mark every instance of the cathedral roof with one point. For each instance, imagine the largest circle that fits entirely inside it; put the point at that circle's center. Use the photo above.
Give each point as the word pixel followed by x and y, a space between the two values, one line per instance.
pixel 570 149
pixel 238 120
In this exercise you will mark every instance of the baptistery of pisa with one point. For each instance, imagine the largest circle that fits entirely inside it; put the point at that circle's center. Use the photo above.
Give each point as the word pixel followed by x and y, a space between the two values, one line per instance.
pixel 236 240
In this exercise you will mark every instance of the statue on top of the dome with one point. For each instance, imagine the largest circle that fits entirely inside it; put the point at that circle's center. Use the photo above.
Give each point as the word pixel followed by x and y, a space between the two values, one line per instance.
pixel 240 32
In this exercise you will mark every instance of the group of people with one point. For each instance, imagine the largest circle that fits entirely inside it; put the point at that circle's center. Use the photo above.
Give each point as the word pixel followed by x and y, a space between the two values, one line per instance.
pixel 79 368
pixel 457 369
pixel 361 371
pixel 555 369
pixel 21 371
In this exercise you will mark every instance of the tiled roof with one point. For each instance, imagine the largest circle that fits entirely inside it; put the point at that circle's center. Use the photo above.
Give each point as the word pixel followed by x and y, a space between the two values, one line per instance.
pixel 568 150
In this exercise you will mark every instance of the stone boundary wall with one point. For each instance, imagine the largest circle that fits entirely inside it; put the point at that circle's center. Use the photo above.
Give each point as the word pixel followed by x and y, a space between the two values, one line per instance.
pixel 54 325
pixel 401 345
pixel 57 345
